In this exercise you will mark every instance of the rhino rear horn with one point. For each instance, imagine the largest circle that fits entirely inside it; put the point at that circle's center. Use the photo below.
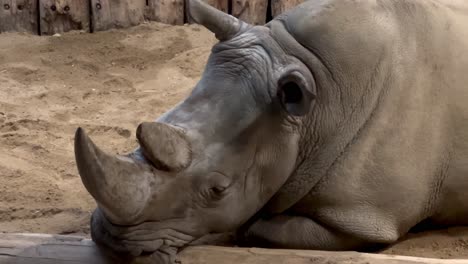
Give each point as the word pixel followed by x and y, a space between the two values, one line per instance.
pixel 120 186
pixel 164 145
pixel 223 25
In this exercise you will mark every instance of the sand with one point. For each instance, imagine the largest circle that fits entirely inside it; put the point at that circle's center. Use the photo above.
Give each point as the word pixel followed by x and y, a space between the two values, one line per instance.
pixel 108 83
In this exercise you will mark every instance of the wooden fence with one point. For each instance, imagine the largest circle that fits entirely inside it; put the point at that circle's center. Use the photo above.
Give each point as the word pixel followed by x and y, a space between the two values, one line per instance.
pixel 47 17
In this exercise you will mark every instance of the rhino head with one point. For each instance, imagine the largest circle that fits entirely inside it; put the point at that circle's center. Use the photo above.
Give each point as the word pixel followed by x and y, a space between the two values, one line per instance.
pixel 215 159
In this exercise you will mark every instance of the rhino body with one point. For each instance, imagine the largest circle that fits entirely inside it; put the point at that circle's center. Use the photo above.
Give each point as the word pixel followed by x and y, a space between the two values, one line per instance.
pixel 339 125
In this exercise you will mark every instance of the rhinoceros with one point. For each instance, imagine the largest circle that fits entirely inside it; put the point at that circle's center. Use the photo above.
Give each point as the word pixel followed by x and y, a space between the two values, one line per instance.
pixel 338 125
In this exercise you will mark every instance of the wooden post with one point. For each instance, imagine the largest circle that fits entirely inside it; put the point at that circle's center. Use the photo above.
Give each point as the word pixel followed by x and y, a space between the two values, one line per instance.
pixel 222 5
pixel 250 11
pixel 58 16
pixel 279 6
pixel 55 249
pixel 166 11
pixel 19 16
pixel 107 14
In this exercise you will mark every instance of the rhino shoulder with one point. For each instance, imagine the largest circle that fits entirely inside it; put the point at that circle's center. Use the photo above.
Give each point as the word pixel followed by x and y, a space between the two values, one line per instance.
pixel 314 19
pixel 313 22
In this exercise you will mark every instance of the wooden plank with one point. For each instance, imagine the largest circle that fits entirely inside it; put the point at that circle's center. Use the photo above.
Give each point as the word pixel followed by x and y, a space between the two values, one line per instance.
pixel 250 11
pixel 57 16
pixel 107 14
pixel 18 16
pixel 226 255
pixel 279 6
pixel 166 11
pixel 101 17
pixel 54 249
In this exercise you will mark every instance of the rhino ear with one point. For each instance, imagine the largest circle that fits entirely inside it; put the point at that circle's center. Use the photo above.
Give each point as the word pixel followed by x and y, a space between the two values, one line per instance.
pixel 295 93
pixel 223 25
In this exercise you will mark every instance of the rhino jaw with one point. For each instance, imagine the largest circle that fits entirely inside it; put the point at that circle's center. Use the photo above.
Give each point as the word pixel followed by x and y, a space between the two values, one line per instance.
pixel 120 185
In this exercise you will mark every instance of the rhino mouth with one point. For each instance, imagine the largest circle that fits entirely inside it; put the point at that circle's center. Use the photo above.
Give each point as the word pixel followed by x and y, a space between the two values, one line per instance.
pixel 144 239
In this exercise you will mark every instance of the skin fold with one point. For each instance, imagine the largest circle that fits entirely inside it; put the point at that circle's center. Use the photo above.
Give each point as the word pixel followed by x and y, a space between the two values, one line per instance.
pixel 339 125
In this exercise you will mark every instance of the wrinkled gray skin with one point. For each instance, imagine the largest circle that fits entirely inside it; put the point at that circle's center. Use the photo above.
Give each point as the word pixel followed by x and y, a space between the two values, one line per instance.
pixel 338 125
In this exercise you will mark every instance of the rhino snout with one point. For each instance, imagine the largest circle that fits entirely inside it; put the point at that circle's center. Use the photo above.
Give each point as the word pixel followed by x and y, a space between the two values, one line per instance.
pixel 149 238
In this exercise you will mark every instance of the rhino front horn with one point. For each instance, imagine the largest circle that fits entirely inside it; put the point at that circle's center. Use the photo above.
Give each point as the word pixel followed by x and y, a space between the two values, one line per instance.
pixel 164 145
pixel 120 185
pixel 223 25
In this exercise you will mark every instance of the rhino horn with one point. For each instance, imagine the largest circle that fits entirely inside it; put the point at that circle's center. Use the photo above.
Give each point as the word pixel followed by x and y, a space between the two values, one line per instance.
pixel 164 145
pixel 120 185
pixel 223 25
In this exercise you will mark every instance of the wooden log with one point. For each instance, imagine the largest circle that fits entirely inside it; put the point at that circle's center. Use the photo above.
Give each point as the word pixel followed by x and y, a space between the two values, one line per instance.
pixel 54 249
pixel 166 11
pixel 280 6
pixel 211 254
pixel 107 14
pixel 57 16
pixel 18 16
pixel 250 11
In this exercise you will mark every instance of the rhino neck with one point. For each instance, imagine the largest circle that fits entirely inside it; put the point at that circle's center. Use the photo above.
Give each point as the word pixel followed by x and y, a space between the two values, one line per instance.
pixel 321 145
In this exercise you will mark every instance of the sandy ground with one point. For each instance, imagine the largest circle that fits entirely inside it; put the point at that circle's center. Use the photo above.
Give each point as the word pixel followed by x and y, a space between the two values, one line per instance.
pixel 108 83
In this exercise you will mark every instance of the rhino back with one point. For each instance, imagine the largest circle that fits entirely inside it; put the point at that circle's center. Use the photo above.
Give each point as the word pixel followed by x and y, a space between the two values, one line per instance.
pixel 393 73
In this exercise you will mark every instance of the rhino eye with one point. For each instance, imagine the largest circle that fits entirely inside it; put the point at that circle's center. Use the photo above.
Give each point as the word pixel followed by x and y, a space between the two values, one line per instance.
pixel 217 193
pixel 218 190
pixel 218 186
